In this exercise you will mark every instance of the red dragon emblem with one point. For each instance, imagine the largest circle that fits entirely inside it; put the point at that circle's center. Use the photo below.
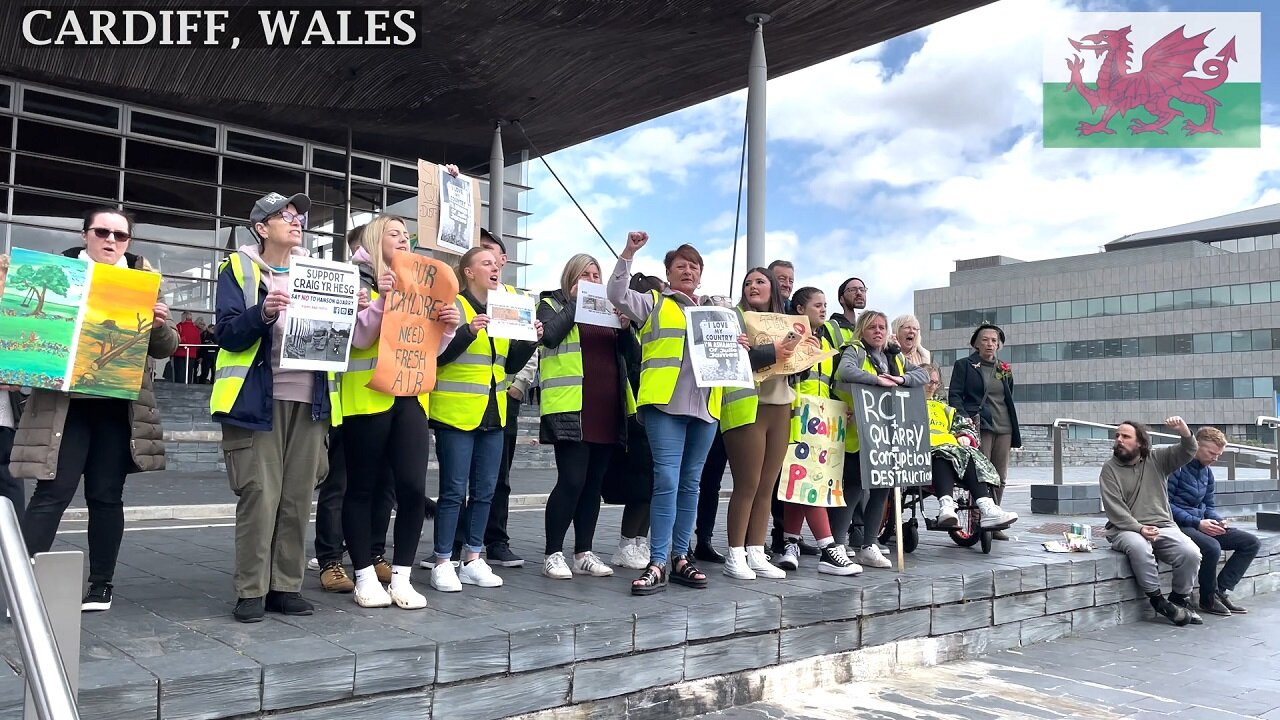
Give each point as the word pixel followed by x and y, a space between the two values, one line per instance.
pixel 1163 78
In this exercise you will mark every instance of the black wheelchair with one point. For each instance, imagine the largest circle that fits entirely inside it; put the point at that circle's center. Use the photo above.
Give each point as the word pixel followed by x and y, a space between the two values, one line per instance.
pixel 967 533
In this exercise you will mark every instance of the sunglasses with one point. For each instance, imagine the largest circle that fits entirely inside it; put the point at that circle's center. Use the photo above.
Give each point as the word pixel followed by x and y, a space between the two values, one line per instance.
pixel 104 233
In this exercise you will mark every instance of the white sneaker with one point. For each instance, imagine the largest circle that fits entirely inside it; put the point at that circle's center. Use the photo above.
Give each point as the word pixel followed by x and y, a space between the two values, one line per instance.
pixel 993 517
pixel 790 557
pixel 735 564
pixel 758 561
pixel 313 564
pixel 444 577
pixel 407 598
pixel 834 561
pixel 477 572
pixel 630 557
pixel 645 550
pixel 947 517
pixel 872 557
pixel 556 568
pixel 374 596
pixel 591 565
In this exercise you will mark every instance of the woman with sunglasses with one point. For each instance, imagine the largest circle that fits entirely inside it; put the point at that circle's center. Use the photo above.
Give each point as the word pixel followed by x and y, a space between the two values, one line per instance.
pixel 274 420
pixel 63 437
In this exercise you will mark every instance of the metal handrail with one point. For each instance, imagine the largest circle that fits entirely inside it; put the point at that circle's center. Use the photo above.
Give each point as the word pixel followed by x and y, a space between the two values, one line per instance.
pixel 1232 450
pixel 46 675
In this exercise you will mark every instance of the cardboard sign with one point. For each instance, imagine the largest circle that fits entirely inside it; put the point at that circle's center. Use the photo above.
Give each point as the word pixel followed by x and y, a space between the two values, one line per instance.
pixel 411 328
pixel 893 436
pixel 768 328
pixel 429 216
pixel 813 471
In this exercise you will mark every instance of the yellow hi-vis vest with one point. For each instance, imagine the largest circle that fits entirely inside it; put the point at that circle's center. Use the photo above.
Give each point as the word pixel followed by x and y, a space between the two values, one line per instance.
pixel 851 437
pixel 941 415
pixel 463 386
pixel 739 405
pixel 840 336
pixel 561 372
pixel 816 382
pixel 357 398
pixel 662 339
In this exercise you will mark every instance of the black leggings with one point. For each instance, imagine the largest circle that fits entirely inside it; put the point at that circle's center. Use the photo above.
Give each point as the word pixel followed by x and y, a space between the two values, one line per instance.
pixel 95 444
pixel 944 478
pixel 635 519
pixel 580 469
pixel 398 440
pixel 860 520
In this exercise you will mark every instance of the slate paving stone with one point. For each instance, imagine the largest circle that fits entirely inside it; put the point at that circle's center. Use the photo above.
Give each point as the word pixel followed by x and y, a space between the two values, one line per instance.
pixel 960 616
pixel 880 597
pixel 388 660
pixel 725 656
pixel 415 706
pixel 758 614
pixel 189 679
pixel 598 679
pixel 501 696
pixel 881 629
pixel 117 689
pixel 1012 608
pixel 466 651
pixel 302 671
pixel 824 639
pixel 1071 597
pixel 660 627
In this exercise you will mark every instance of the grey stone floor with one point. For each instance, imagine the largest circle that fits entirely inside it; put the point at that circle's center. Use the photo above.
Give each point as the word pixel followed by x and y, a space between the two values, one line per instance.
pixel 1227 668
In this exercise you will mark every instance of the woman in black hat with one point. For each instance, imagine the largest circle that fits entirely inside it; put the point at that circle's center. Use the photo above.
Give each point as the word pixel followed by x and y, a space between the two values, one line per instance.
pixel 982 388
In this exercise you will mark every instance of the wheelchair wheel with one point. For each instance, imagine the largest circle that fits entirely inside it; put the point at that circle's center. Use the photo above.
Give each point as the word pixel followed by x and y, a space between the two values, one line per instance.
pixel 986 537
pixel 970 532
pixel 910 535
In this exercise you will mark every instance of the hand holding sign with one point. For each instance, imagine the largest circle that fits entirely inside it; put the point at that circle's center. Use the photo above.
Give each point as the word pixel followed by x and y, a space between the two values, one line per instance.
pixel 415 313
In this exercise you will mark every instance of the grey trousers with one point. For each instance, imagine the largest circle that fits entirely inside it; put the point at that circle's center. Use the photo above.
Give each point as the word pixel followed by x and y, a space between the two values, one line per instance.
pixel 1171 546
pixel 273 475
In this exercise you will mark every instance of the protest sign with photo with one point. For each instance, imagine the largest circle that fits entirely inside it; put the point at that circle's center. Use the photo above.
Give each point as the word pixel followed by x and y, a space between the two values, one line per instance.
pixel 812 473
pixel 320 316
pixel 75 325
pixel 718 360
pixel 768 328
pixel 411 328
pixel 594 307
pixel 439 215
pixel 893 436
pixel 511 316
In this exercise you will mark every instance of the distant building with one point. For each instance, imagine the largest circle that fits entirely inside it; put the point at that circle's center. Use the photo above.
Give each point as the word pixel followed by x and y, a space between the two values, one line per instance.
pixel 1183 320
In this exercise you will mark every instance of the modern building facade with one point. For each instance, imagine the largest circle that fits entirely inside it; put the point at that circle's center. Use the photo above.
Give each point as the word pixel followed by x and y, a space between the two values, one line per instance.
pixel 190 182
pixel 1183 320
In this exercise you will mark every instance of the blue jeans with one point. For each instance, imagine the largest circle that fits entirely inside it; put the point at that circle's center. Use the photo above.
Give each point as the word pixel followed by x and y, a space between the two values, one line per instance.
pixel 468 460
pixel 679 444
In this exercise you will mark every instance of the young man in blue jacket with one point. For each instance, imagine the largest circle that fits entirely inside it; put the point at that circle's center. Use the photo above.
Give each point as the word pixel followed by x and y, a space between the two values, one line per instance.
pixel 1192 502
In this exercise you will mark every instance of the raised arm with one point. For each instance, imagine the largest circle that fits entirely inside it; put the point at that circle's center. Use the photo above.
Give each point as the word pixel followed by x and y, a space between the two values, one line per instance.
pixel 635 305
pixel 1170 458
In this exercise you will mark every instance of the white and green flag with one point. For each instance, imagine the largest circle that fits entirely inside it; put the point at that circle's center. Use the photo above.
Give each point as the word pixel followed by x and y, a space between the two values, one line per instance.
pixel 1157 79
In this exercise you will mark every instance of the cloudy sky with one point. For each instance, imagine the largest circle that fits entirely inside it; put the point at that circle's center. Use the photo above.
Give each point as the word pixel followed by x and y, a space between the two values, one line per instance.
pixel 893 162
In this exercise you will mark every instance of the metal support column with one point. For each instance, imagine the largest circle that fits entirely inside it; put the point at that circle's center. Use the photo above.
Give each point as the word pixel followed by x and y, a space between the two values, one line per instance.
pixel 340 242
pixel 1057 453
pixel 757 78
pixel 497 166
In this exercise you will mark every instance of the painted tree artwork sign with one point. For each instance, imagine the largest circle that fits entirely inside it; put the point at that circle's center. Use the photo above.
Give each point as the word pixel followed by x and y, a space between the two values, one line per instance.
pixel 74 325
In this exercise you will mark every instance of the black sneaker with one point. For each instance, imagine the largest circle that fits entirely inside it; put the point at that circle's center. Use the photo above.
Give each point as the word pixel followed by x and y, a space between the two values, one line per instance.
pixel 1215 606
pixel 1185 603
pixel 1176 614
pixel 836 562
pixel 288 603
pixel 1235 609
pixel 500 554
pixel 704 552
pixel 249 610
pixel 97 599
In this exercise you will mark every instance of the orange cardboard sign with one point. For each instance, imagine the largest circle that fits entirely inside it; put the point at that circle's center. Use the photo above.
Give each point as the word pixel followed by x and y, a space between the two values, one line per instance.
pixel 411 328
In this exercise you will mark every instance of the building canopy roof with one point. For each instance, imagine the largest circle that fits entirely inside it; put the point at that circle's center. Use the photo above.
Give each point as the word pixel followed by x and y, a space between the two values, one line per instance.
pixel 1259 220
pixel 570 70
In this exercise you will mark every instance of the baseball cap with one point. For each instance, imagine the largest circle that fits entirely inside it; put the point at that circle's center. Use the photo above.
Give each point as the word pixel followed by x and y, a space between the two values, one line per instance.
pixel 272 203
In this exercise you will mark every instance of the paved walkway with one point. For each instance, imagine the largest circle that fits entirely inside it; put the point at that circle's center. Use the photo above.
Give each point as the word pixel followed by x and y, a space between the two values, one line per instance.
pixel 1228 668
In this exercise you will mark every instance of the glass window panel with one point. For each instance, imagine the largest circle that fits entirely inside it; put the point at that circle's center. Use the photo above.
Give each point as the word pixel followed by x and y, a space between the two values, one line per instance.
pixel 1182 344
pixel 1220 296
pixel 1146 302
pixel 1111 305
pixel 5 95
pixel 1164 345
pixel 1079 350
pixel 1095 349
pixel 366 197
pixel 1239 294
pixel 1229 245
pixel 1129 390
pixel 1202 342
pixel 1094 307
pixel 332 161
pixel 1181 299
pixel 1129 347
pixel 402 175
pixel 1097 391
pixel 1063 310
pixel 1263 387
pixel 1166 389
pixel 37 102
pixel 1244 245
pixel 1147 390
pixel 1147 346
pixel 1079 308
pixel 1019 313
pixel 236 204
pixel 174 230
pixel 1184 389
pixel 1064 391
pixel 366 167
pixel 67 142
pixel 173 129
pixel 264 147
pixel 1239 387
pixel 167 160
pixel 326 218
pixel 1260 292
pixel 47 239
pixel 1222 342
pixel 935 321
pixel 1241 340
pixel 1033 312
pixel 1265 242
pixel 1128 304
pixel 169 193
pixel 260 179
pixel 1164 301
pixel 1261 340
pixel 67 177
pixel 1200 298
pixel 1048 311
pixel 1275 288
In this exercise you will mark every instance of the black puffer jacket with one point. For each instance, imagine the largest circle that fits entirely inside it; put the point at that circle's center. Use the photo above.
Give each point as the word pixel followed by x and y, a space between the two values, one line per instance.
pixel 556 326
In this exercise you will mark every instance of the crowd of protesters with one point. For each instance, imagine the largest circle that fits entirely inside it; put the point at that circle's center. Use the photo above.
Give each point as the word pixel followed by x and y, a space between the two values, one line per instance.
pixel 621 407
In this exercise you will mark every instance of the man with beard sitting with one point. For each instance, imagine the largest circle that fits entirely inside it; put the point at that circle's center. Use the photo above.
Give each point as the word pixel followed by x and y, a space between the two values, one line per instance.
pixel 1139 522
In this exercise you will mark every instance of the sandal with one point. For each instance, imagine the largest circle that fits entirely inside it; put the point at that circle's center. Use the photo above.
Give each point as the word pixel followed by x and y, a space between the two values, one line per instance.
pixel 688 574
pixel 653 580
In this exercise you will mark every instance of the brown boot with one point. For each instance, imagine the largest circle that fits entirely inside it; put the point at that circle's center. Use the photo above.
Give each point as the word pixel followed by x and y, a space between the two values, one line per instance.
pixel 334 579
pixel 383 569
